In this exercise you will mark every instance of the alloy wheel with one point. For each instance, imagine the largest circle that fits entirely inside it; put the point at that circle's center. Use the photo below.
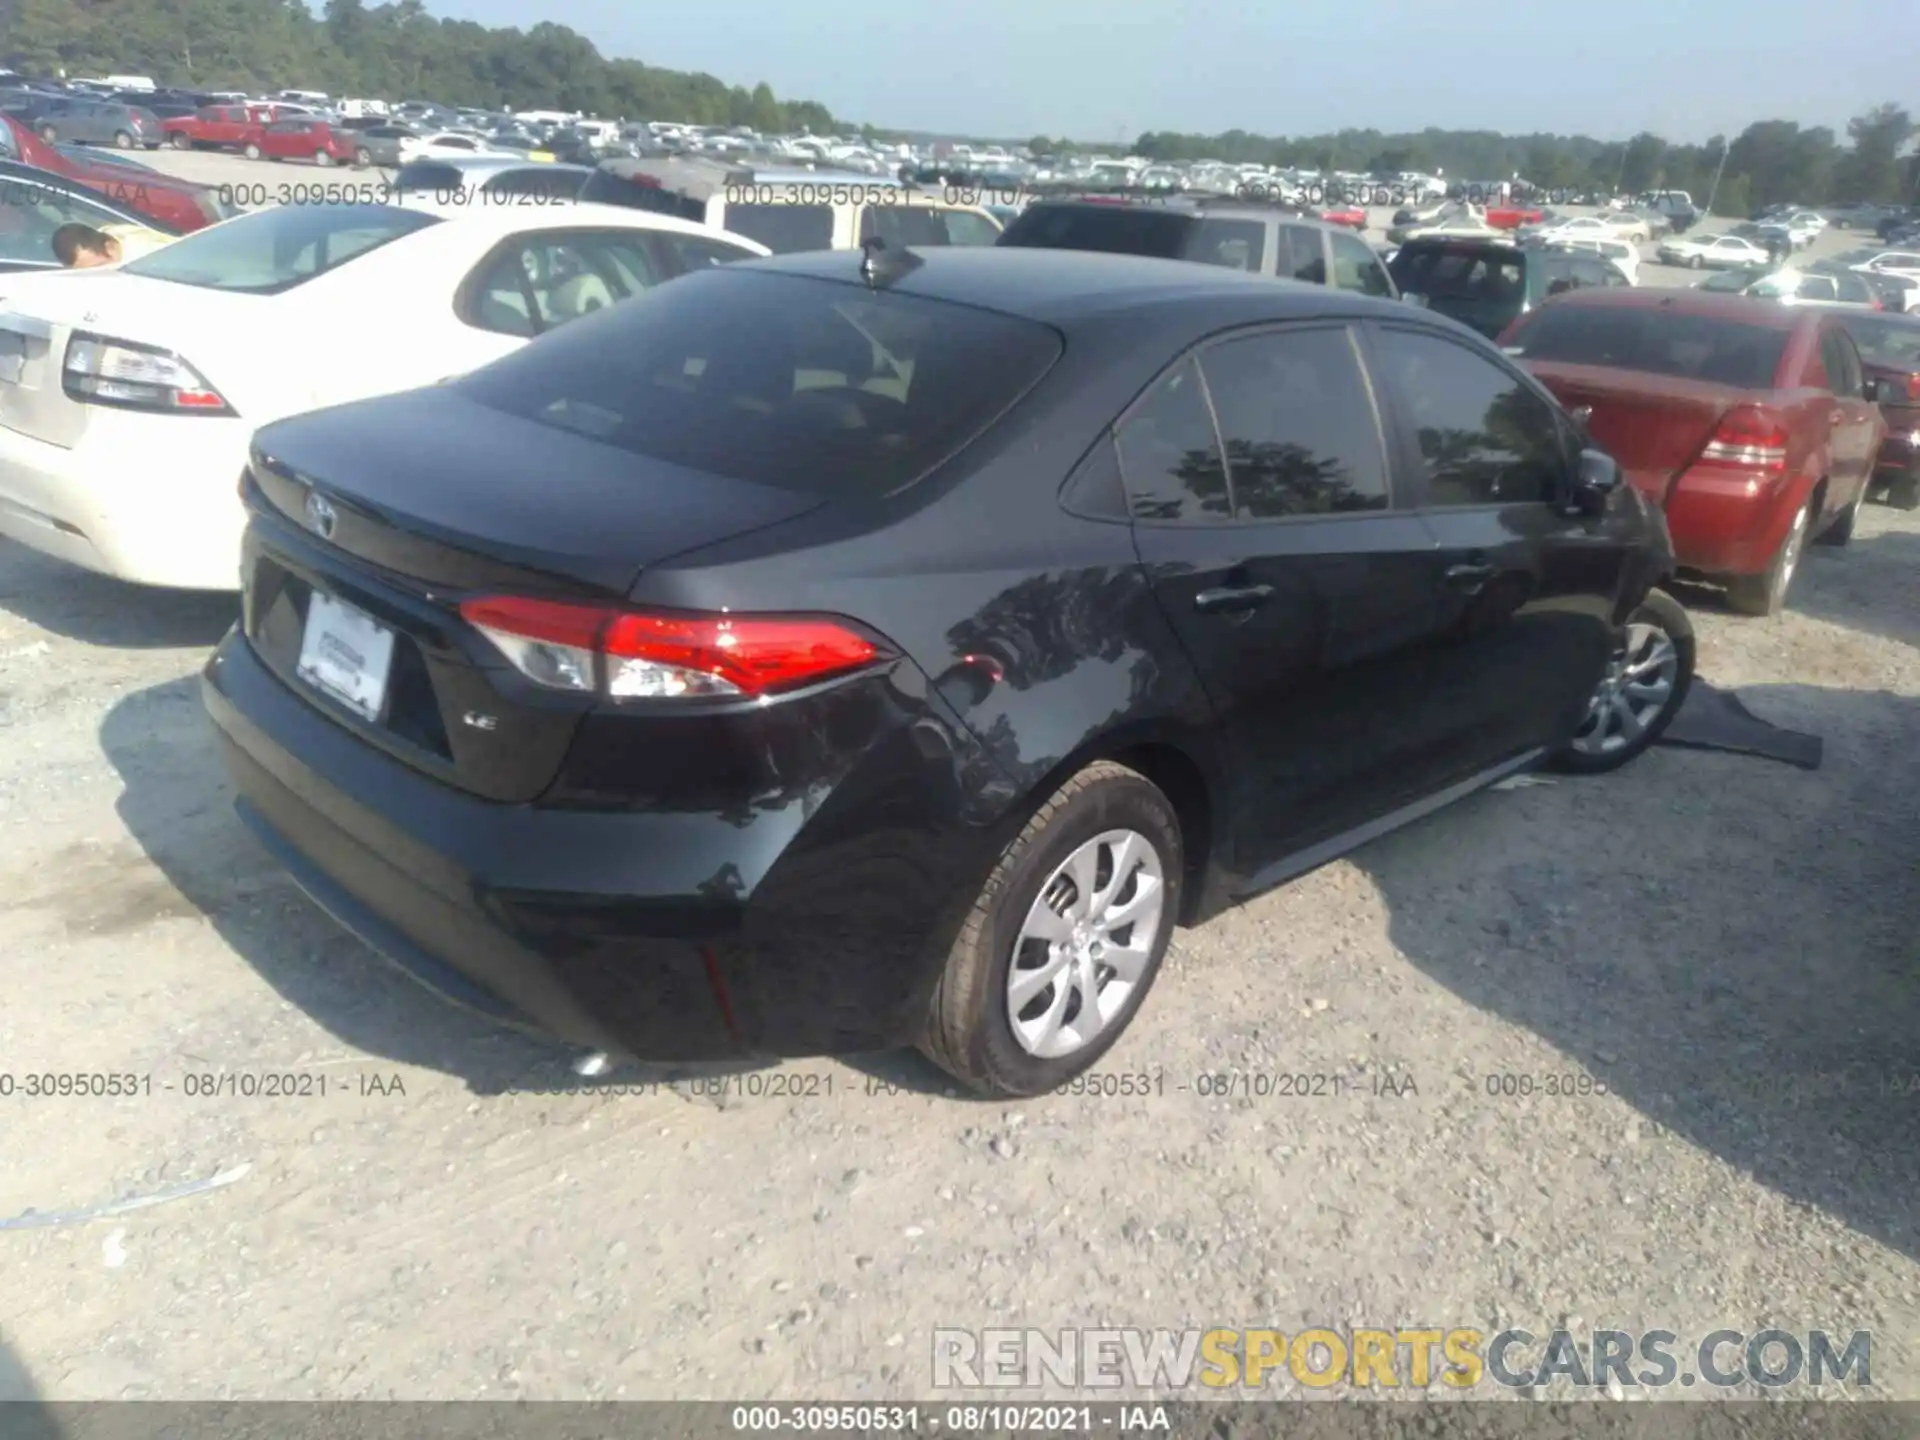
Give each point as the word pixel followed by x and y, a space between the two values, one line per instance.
pixel 1085 944
pixel 1638 686
pixel 1790 551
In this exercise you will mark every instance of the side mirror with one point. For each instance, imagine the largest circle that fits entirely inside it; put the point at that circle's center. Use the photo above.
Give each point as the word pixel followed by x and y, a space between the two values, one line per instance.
pixel 1582 417
pixel 1598 478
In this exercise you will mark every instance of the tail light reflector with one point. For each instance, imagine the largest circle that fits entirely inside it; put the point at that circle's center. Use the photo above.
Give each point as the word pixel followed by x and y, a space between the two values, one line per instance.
pixel 636 654
pixel 1748 438
pixel 1913 387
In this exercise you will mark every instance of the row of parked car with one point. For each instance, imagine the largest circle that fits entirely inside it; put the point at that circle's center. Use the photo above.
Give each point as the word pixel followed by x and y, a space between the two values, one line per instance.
pixel 694 651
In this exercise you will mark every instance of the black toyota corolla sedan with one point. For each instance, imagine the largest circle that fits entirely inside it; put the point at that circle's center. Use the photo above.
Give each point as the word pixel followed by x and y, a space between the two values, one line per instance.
pixel 838 652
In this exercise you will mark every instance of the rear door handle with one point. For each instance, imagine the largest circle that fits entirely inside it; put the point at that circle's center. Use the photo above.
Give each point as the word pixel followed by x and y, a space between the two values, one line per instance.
pixel 1469 577
pixel 1233 599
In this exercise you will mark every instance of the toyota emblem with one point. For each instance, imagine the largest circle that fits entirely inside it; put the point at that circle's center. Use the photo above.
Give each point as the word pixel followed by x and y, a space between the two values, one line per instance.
pixel 321 515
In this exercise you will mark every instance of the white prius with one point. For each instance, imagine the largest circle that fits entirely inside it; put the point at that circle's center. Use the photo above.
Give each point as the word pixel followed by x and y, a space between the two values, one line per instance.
pixel 128 396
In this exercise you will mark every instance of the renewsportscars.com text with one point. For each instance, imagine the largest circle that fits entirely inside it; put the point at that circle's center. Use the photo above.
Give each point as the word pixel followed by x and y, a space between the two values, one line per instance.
pixel 1413 1357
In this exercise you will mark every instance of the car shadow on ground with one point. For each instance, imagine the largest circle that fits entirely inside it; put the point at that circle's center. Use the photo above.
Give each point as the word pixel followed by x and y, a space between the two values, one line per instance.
pixel 1844 585
pixel 98 610
pixel 24 1415
pixel 1782 1034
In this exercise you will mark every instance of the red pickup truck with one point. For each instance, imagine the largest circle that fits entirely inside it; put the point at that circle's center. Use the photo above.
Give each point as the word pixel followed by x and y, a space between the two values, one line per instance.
pixel 1752 425
pixel 220 127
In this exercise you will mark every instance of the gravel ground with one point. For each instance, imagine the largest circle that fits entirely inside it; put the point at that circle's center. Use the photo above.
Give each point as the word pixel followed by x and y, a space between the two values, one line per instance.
pixel 1726 942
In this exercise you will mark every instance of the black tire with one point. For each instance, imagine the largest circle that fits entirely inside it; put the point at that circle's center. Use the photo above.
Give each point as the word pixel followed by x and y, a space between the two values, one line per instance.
pixel 322 158
pixel 1669 618
pixel 1766 593
pixel 122 140
pixel 250 150
pixel 182 140
pixel 968 1033
pixel 1695 262
pixel 1904 493
pixel 362 158
pixel 1840 531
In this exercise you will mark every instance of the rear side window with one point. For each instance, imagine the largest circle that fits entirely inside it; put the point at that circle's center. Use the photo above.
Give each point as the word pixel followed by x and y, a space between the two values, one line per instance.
pixel 895 225
pixel 812 385
pixel 1114 229
pixel 1660 342
pixel 1891 343
pixel 1308 261
pixel 270 251
pixel 551 277
pixel 1446 274
pixel 783 229
pixel 698 252
pixel 1170 455
pixel 1355 267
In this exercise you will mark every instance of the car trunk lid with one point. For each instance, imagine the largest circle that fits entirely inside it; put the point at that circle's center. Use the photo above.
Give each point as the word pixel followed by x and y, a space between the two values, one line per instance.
pixel 430 498
pixel 40 314
pixel 1653 425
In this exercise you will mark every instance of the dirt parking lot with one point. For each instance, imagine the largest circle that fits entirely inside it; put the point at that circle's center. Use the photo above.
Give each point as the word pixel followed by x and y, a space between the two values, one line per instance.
pixel 1727 944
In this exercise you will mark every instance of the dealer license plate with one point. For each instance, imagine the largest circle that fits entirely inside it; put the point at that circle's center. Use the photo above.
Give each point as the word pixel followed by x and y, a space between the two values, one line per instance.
pixel 346 653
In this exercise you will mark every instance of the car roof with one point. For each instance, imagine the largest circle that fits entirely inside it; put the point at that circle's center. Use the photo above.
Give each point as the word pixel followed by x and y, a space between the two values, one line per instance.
pixel 481 165
pixel 1062 286
pixel 511 219
pixel 1691 302
pixel 1191 207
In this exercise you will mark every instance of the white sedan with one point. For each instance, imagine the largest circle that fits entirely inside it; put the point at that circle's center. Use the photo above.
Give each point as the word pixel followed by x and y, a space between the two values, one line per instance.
pixel 1720 251
pixel 446 143
pixel 1593 227
pixel 128 396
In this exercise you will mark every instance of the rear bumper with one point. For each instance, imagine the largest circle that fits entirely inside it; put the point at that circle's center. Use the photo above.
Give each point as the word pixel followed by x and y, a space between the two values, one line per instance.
pixel 1899 454
pixel 150 499
pixel 1720 528
pixel 666 936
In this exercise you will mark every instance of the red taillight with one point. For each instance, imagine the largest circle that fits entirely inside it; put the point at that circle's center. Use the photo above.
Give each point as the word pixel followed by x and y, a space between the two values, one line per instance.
pixel 631 654
pixel 1748 438
pixel 1913 387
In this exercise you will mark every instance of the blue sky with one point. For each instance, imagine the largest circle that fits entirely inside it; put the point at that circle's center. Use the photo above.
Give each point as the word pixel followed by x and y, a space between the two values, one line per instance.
pixel 1096 69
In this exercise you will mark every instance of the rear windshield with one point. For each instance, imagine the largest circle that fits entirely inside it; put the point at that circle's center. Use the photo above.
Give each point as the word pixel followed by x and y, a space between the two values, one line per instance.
pixel 1116 229
pixel 603 187
pixel 1466 273
pixel 1894 344
pixel 269 251
pixel 1692 347
pixel 422 175
pixel 783 229
pixel 807 384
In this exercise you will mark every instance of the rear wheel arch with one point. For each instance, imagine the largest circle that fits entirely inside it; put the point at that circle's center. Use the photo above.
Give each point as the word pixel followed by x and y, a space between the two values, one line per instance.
pixel 1172 767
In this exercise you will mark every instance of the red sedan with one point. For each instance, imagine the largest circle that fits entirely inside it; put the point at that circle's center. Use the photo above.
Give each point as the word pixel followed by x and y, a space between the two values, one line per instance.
pixel 1354 216
pixel 1752 425
pixel 179 205
pixel 313 140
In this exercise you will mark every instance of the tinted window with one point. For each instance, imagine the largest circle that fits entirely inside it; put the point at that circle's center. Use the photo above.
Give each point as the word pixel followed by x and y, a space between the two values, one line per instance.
pixel 603 187
pixel 1305 254
pixel 1441 273
pixel 423 175
pixel 1695 347
pixel 268 251
pixel 1117 229
pixel 1170 453
pixel 1235 244
pixel 1355 267
pixel 816 386
pixel 1485 437
pixel 1299 426
pixel 783 229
